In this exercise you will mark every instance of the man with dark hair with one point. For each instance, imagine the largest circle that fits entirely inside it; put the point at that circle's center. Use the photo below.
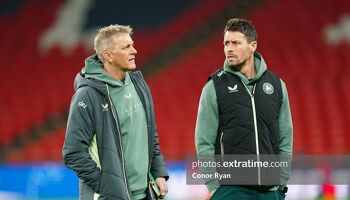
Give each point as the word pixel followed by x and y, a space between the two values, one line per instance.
pixel 244 110
pixel 111 140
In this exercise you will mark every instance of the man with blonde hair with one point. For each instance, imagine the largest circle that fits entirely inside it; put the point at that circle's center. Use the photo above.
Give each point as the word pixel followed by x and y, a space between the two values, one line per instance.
pixel 111 140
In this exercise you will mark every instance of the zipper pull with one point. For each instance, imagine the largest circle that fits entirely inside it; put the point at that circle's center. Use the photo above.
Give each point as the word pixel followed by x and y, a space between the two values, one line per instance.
pixel 253 92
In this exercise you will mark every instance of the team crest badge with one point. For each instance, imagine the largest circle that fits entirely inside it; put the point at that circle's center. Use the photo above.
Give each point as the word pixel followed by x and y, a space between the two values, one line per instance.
pixel 268 88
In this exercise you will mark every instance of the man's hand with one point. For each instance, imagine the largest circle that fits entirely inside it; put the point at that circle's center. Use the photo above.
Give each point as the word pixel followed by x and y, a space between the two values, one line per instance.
pixel 163 187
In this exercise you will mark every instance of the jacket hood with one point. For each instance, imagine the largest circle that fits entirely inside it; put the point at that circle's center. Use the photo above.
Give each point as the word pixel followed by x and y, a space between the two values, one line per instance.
pixel 259 64
pixel 94 69
pixel 82 81
pixel 94 75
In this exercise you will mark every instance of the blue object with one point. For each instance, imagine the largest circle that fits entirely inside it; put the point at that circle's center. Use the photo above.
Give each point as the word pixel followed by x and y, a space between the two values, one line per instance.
pixel 42 180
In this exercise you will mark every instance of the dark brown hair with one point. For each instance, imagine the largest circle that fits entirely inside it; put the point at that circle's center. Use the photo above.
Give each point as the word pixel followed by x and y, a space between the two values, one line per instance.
pixel 243 26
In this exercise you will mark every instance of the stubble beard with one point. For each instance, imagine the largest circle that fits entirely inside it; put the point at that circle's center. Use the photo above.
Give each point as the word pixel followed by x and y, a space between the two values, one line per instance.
pixel 238 66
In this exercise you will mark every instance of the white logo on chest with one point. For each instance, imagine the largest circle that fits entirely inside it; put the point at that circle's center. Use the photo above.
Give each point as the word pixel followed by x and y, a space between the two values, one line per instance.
pixel 268 88
pixel 232 89
pixel 82 104
pixel 128 96
pixel 105 107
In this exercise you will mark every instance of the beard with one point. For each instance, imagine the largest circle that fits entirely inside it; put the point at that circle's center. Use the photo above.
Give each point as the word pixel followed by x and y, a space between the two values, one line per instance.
pixel 238 66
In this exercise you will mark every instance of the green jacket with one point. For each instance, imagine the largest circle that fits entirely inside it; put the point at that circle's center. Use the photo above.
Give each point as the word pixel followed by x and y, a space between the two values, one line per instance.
pixel 208 116
pixel 132 120
pixel 93 142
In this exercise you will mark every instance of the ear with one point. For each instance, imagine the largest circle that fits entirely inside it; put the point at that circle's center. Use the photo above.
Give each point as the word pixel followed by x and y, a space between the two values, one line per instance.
pixel 253 45
pixel 107 56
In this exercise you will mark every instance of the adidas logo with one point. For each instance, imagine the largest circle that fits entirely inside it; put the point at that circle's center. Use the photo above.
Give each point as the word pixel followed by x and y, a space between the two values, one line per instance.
pixel 233 89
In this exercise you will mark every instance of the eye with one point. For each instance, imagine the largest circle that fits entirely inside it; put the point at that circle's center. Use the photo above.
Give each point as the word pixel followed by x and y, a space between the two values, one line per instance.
pixel 237 42
pixel 128 46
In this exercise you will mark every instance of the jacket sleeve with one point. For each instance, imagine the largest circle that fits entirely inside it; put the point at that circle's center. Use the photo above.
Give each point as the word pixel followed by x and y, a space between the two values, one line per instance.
pixel 285 124
pixel 158 167
pixel 79 134
pixel 286 135
pixel 207 121
pixel 206 129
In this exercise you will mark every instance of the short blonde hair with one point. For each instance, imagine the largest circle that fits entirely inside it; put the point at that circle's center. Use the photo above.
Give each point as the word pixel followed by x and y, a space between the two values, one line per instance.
pixel 105 35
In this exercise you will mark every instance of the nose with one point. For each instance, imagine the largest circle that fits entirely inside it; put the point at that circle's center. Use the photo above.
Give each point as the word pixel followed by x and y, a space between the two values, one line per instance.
pixel 229 47
pixel 133 50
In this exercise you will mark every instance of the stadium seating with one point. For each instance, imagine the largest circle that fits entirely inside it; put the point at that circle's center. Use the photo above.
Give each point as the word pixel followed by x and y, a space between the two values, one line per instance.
pixel 37 86
pixel 48 148
pixel 315 72
pixel 316 75
pixel 45 79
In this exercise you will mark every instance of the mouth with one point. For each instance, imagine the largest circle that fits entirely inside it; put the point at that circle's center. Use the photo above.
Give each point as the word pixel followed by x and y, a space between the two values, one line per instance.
pixel 231 56
pixel 132 59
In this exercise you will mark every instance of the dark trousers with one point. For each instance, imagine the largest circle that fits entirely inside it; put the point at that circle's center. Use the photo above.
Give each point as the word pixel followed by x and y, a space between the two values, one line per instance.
pixel 228 192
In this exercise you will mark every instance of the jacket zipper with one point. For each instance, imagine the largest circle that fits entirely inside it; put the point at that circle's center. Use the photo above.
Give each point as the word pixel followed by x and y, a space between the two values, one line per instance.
pixel 120 142
pixel 255 129
pixel 222 146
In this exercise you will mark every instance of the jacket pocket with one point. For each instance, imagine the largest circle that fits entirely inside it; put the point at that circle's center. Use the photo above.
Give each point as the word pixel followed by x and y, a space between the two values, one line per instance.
pixel 86 193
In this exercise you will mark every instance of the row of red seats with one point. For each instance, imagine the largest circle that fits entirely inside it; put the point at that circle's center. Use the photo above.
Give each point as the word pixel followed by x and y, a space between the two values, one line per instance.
pixel 317 80
pixel 55 77
pixel 316 75
pixel 40 84
pixel 25 102
pixel 48 148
